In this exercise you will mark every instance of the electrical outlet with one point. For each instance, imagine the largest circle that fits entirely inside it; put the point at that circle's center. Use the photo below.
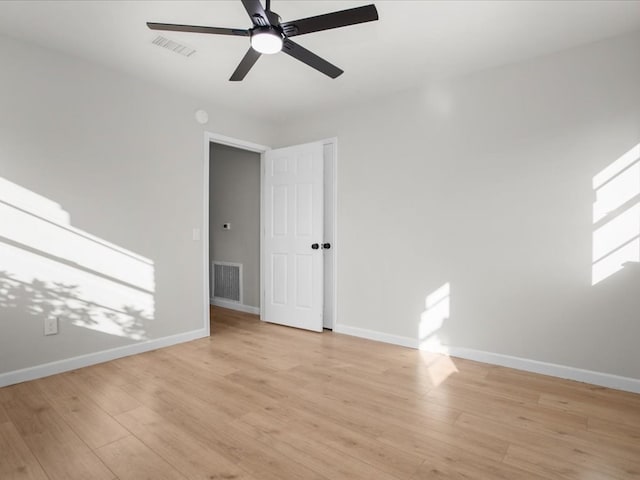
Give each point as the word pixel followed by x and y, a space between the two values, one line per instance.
pixel 51 326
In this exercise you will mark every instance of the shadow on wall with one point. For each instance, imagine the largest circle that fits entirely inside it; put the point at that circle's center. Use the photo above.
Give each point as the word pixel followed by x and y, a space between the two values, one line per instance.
pixel 616 216
pixel 49 269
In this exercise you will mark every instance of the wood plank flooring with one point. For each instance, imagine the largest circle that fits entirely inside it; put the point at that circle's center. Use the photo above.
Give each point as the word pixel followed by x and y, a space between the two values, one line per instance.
pixel 262 402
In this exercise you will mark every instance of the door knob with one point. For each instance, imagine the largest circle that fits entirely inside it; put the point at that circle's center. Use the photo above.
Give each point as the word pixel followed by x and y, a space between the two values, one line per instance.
pixel 326 246
pixel 315 246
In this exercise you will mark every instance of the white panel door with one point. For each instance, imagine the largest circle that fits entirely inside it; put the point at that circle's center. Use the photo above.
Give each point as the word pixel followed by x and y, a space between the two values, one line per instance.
pixel 293 220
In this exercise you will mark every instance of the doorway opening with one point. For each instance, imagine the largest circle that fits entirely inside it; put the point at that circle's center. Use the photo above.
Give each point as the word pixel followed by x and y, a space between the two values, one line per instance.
pixel 234 226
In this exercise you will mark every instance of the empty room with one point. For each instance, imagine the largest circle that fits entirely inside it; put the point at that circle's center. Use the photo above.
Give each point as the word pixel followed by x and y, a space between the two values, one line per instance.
pixel 319 240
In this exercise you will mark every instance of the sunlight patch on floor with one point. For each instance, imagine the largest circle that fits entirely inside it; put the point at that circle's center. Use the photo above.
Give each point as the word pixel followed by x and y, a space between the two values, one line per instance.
pixel 435 355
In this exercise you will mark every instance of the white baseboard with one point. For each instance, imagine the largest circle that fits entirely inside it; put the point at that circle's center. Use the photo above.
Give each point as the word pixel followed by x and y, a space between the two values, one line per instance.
pixel 235 306
pixel 554 370
pixel 375 335
pixel 52 368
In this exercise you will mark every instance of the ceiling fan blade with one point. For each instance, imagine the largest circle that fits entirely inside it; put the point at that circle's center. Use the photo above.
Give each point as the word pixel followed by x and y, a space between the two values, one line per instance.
pixel 300 53
pixel 256 12
pixel 249 59
pixel 196 29
pixel 343 18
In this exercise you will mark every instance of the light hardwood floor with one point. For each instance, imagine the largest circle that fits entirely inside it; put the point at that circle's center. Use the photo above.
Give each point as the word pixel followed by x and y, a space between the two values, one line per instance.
pixel 262 402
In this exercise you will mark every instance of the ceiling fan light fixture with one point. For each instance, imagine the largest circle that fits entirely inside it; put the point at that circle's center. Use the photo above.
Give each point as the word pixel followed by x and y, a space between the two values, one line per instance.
pixel 266 41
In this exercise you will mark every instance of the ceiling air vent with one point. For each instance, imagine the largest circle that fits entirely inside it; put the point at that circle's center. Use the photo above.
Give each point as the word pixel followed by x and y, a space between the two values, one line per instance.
pixel 173 46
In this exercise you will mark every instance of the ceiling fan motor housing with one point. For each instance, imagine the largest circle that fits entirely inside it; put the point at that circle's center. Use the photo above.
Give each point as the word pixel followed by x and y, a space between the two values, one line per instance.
pixel 268 39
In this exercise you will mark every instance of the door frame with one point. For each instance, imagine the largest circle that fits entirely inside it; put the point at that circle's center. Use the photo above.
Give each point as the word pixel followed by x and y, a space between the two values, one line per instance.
pixel 211 137
pixel 332 189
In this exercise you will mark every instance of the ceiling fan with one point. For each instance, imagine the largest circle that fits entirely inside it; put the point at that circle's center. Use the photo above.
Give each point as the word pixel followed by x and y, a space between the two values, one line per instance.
pixel 269 35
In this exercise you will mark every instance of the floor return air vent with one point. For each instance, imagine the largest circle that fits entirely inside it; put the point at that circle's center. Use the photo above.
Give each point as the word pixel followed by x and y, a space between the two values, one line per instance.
pixel 227 281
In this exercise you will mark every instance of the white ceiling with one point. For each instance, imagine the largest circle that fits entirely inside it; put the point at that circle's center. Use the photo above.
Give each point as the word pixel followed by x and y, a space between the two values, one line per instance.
pixel 413 43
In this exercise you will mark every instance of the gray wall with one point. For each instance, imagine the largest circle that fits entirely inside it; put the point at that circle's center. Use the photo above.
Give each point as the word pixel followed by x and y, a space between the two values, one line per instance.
pixel 234 179
pixel 101 188
pixel 485 183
